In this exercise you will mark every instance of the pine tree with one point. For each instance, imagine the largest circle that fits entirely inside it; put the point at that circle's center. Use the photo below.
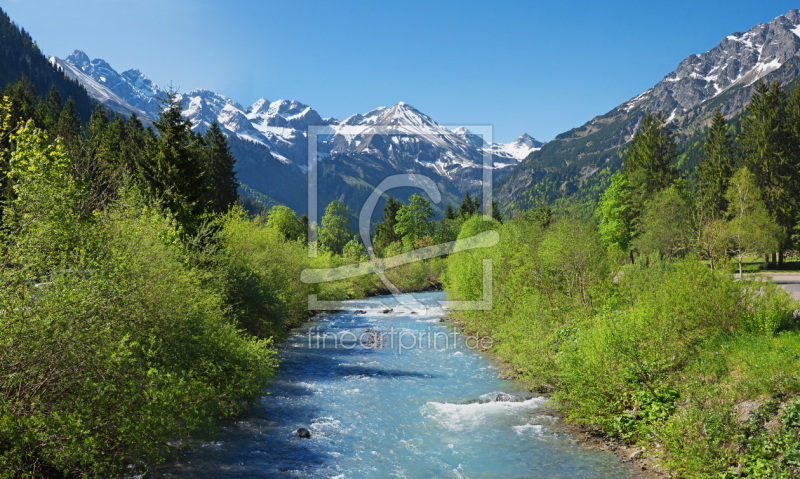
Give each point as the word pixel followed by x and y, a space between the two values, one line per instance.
pixel 449 213
pixel 95 130
pixel 384 231
pixel 476 205
pixel 496 215
pixel 715 170
pixel 649 165
pixel 51 109
pixel 23 99
pixel 173 173
pixel 765 141
pixel 466 209
pixel 68 126
pixel 135 144
pixel 222 187
pixel 653 149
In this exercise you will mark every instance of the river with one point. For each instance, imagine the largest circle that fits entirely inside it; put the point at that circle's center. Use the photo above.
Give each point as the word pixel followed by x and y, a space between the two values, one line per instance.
pixel 421 405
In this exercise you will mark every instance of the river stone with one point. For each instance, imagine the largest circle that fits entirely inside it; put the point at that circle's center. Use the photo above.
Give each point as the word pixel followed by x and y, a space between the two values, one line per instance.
pixel 303 433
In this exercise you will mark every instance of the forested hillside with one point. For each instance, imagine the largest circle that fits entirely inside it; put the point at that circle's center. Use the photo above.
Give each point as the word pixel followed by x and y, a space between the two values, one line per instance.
pixel 583 158
pixel 20 56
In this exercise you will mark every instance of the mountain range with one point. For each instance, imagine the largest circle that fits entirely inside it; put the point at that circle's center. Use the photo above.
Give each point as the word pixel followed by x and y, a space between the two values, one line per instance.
pixel 723 77
pixel 268 138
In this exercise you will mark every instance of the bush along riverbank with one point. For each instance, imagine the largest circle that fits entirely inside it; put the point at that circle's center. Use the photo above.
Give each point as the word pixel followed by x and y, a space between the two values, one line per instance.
pixel 140 304
pixel 695 369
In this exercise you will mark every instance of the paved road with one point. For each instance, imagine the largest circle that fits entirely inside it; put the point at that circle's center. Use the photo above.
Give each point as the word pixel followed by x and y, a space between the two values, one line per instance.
pixel 789 281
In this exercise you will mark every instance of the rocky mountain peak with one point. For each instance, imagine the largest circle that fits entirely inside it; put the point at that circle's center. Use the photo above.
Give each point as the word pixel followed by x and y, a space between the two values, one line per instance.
pixel 78 57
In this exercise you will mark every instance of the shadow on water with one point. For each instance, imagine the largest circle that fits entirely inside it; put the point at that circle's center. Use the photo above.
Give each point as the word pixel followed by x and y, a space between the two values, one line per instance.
pixel 378 413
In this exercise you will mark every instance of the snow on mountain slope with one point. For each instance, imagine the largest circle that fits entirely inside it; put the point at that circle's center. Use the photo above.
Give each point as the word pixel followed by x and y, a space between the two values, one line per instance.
pixel 400 134
pixel 98 90
pixel 739 59
pixel 132 87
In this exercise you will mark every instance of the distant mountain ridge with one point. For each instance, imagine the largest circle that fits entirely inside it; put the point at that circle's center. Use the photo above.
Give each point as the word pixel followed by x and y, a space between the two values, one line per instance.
pixel 278 131
pixel 723 77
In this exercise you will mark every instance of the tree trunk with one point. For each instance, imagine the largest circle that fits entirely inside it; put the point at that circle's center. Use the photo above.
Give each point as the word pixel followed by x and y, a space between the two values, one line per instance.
pixel 631 256
pixel 766 261
pixel 740 268
pixel 780 259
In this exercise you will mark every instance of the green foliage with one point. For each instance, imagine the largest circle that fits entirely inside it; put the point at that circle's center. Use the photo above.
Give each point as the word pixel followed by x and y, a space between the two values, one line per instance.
pixel 284 220
pixel 385 230
pixel 335 230
pixel 662 353
pixel 616 218
pixel 413 221
pixel 665 224
pixel 143 350
pixel 717 166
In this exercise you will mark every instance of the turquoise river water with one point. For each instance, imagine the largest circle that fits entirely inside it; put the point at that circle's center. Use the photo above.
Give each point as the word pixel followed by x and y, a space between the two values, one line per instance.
pixel 421 405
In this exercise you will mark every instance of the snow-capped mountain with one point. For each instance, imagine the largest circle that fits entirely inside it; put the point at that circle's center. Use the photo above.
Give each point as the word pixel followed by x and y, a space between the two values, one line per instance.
pixel 724 77
pixel 739 59
pixel 282 125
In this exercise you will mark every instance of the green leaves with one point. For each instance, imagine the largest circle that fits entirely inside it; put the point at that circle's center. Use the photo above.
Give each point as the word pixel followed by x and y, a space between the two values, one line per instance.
pixel 413 221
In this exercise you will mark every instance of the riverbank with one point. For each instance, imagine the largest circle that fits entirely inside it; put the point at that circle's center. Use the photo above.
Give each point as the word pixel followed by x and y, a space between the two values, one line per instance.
pixel 690 366
pixel 426 411
pixel 591 436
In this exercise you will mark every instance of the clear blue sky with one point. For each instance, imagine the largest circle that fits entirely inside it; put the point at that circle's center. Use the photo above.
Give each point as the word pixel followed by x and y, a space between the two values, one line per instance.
pixel 535 67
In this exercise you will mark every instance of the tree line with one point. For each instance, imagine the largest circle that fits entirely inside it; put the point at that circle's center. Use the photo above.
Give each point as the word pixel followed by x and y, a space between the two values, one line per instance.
pixel 191 173
pixel 742 199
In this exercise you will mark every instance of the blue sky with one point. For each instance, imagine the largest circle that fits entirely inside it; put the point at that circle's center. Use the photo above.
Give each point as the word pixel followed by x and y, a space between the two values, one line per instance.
pixel 535 67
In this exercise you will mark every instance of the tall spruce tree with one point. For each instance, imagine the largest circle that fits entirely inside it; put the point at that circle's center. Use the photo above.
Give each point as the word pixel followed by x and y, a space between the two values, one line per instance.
pixel 173 173
pixel 384 231
pixel 653 149
pixel 716 169
pixel 766 151
pixel 496 215
pixel 449 213
pixel 222 187
pixel 51 109
pixel 68 126
pixel 649 164
pixel 467 207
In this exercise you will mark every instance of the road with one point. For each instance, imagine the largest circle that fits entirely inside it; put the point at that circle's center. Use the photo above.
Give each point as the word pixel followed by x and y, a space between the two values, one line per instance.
pixel 789 281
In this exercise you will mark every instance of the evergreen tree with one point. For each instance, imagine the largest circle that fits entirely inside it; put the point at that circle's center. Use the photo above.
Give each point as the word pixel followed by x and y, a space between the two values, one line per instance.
pixel 384 231
pixel 68 126
pixel 173 173
pixel 467 206
pixel 449 213
pixel 222 187
pixel 476 205
pixel 496 215
pixel 95 130
pixel 765 142
pixel 653 150
pixel 715 170
pixel 51 109
pixel 135 144
pixel 22 107
pixel 649 166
